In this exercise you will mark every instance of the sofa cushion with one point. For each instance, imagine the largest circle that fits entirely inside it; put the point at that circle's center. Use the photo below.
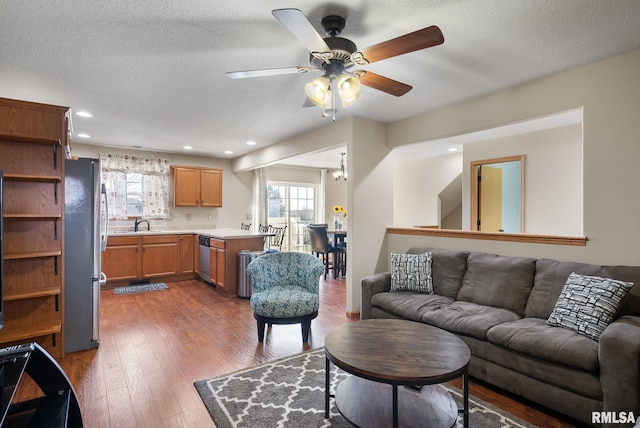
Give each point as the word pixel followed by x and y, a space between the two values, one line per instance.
pixel 551 275
pixel 409 305
pixel 411 272
pixel 587 304
pixel 468 318
pixel 498 281
pixel 447 269
pixel 532 336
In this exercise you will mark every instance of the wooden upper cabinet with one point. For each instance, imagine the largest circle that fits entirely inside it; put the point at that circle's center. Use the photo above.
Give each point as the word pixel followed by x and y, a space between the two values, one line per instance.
pixel 186 187
pixel 197 187
pixel 211 188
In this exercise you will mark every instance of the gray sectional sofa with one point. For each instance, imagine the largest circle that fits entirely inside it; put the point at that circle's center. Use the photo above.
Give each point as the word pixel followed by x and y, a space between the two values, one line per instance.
pixel 499 306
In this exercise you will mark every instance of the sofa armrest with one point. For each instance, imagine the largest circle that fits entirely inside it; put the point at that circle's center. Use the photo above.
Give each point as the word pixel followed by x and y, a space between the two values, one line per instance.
pixel 373 284
pixel 619 356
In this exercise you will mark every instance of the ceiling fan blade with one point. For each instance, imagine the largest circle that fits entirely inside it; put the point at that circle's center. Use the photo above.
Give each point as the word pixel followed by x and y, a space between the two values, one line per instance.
pixel 382 83
pixel 298 24
pixel 421 39
pixel 268 72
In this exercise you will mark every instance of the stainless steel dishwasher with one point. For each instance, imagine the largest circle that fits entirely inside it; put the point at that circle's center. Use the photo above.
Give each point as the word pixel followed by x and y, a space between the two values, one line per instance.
pixel 205 258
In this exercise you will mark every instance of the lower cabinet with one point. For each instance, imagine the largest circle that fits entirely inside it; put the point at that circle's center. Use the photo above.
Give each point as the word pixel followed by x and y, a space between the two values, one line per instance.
pixel 159 255
pixel 122 259
pixel 187 250
pixel 218 262
pixel 133 258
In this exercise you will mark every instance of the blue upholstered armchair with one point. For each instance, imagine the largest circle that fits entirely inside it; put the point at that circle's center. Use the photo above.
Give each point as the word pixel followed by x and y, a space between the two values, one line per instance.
pixel 285 289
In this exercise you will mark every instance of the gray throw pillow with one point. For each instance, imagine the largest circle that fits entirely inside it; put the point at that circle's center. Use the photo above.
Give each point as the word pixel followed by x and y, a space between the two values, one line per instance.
pixel 411 272
pixel 588 304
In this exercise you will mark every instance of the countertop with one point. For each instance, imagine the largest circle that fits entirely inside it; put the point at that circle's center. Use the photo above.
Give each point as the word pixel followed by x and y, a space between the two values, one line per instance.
pixel 213 233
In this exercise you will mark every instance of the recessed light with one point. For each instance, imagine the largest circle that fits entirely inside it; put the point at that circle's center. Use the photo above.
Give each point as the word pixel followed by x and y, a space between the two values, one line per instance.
pixel 228 152
pixel 188 148
pixel 84 114
pixel 251 143
pixel 84 135
pixel 453 150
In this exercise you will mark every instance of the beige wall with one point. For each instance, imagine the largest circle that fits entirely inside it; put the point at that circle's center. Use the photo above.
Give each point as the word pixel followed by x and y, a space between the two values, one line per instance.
pixel 553 178
pixel 336 194
pixel 608 92
pixel 236 191
pixel 416 186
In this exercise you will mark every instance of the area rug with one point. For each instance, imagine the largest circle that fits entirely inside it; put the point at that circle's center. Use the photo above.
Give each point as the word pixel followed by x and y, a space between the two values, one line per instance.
pixel 289 393
pixel 141 288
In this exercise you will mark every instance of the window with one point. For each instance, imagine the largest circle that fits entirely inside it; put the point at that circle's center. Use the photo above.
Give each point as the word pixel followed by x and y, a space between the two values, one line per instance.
pixel 134 194
pixel 293 205
pixel 136 187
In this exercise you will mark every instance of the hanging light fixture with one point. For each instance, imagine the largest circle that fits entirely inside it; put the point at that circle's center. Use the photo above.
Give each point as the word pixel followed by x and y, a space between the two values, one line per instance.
pixel 340 174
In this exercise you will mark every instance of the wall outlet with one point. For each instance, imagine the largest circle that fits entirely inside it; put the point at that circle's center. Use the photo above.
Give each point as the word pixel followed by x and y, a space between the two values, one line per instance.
pixel 209 217
pixel 188 217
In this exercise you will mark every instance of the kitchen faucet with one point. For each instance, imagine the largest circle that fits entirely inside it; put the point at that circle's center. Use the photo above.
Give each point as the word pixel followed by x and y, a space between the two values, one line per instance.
pixel 135 227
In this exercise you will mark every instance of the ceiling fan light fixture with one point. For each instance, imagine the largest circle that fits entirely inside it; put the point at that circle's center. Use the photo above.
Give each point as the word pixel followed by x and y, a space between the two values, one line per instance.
pixel 318 91
pixel 348 85
pixel 346 102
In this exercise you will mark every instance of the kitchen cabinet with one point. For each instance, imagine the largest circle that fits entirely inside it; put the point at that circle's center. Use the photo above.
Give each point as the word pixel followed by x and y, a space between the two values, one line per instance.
pixel 224 259
pixel 187 253
pixel 32 142
pixel 122 259
pixel 197 187
pixel 218 262
pixel 147 257
pixel 159 255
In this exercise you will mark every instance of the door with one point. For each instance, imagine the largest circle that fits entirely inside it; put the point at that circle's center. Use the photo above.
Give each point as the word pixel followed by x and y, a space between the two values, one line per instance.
pixel 490 199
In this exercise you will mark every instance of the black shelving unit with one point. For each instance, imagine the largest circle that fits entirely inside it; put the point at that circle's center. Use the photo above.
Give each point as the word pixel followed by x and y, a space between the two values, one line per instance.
pixel 57 407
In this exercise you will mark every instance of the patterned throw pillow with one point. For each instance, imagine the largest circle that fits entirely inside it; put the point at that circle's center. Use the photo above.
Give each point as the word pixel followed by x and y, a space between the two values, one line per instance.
pixel 411 272
pixel 587 304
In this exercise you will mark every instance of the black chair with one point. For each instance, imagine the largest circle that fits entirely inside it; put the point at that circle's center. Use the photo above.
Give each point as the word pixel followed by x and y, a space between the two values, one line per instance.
pixel 320 246
pixel 278 238
pixel 263 229
pixel 245 226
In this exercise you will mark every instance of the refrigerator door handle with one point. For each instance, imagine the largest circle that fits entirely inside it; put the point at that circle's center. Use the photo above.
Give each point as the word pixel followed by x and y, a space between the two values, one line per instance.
pixel 105 237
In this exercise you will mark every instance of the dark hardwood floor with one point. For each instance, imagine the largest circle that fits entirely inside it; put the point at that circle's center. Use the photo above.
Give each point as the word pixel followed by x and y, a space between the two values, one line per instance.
pixel 154 345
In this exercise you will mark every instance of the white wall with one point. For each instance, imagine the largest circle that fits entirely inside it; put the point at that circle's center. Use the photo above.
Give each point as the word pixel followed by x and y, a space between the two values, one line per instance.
pixel 416 186
pixel 336 194
pixel 553 178
pixel 237 191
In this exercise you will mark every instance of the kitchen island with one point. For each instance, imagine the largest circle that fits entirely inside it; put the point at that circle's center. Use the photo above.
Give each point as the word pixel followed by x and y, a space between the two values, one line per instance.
pixel 171 255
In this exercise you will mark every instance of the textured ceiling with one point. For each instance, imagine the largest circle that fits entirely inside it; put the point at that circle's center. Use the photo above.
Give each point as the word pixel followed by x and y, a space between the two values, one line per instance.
pixel 153 71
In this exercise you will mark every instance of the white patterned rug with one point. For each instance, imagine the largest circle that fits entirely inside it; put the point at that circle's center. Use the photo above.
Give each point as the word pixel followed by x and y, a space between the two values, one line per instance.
pixel 289 393
pixel 141 288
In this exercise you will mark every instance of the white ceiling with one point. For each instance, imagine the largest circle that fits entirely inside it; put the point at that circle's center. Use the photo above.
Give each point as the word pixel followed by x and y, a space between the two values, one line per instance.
pixel 153 71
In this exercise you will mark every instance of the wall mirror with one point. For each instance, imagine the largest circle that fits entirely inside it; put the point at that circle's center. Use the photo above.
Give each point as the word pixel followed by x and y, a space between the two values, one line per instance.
pixel 497 194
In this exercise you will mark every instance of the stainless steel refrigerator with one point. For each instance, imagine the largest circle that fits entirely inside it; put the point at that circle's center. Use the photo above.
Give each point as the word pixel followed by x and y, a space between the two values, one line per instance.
pixel 82 225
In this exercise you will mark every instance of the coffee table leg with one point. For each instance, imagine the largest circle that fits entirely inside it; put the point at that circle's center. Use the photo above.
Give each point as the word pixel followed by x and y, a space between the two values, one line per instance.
pixel 327 371
pixel 465 398
pixel 395 406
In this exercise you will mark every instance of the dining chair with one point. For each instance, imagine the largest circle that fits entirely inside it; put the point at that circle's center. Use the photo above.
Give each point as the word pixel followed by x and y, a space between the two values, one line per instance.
pixel 278 236
pixel 245 226
pixel 321 247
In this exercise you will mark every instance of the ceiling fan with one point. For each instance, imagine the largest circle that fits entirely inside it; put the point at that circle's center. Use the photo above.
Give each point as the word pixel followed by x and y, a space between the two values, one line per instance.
pixel 337 56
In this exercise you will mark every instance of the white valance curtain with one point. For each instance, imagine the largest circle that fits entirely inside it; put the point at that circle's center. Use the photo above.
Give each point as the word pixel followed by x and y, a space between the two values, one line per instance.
pixel 155 201
pixel 260 204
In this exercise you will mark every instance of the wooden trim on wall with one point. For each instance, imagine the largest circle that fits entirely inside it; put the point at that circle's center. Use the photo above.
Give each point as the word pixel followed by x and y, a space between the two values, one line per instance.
pixel 491 236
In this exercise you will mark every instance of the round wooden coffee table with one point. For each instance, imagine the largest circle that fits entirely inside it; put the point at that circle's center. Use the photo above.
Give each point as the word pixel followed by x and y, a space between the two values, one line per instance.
pixel 383 354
